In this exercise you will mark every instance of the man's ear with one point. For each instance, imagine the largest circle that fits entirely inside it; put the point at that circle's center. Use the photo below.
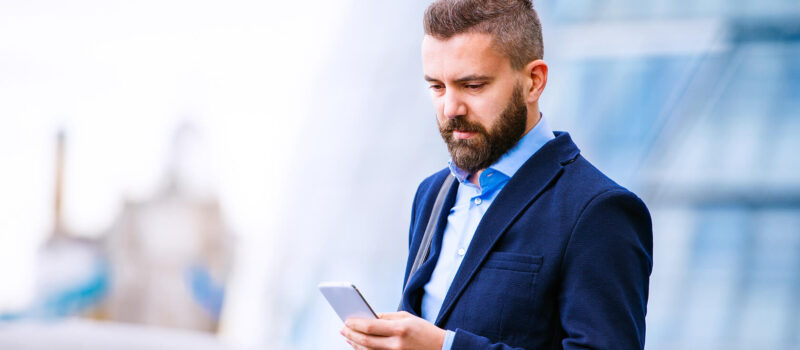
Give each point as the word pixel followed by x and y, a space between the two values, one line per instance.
pixel 536 72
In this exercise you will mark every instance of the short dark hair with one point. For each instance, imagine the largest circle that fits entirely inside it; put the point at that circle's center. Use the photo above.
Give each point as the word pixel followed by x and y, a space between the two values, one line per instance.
pixel 513 24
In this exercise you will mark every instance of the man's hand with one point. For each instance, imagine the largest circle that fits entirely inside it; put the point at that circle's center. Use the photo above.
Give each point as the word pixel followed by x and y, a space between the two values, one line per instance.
pixel 393 330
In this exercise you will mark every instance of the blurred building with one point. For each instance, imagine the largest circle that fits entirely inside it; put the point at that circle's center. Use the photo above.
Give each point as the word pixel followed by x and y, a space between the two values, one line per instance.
pixel 169 255
pixel 164 262
pixel 71 271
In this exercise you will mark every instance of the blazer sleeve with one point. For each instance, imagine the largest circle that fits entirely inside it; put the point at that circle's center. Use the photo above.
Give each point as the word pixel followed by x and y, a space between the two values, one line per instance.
pixel 605 274
pixel 464 340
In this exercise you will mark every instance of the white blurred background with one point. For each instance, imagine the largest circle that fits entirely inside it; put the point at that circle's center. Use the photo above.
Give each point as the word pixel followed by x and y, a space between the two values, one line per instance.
pixel 181 174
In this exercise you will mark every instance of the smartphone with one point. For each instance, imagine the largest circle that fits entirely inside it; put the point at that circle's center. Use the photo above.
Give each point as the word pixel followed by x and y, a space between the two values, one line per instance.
pixel 346 300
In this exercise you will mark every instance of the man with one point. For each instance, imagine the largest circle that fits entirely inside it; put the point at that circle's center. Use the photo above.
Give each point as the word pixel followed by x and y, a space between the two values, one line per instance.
pixel 535 248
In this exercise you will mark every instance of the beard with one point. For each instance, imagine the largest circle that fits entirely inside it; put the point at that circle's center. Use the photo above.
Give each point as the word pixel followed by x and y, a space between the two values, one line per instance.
pixel 486 147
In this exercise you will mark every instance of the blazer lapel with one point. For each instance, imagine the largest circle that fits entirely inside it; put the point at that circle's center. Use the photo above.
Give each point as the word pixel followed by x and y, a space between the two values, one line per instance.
pixel 523 188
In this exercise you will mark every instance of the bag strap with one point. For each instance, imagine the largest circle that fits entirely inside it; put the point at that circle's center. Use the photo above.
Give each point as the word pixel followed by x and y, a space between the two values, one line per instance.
pixel 425 245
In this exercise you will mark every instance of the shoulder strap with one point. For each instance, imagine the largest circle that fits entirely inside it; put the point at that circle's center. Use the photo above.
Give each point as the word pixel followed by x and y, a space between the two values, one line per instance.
pixel 425 245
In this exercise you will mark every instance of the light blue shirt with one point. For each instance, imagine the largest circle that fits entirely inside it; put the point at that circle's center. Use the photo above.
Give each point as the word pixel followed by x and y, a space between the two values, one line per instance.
pixel 470 205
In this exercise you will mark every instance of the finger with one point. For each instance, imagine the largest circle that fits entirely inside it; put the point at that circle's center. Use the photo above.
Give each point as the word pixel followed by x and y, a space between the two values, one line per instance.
pixel 355 346
pixel 364 341
pixel 350 336
pixel 355 337
pixel 395 315
pixel 383 328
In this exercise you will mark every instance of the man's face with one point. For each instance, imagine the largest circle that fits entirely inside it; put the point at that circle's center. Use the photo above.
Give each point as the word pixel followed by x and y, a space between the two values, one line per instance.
pixel 477 96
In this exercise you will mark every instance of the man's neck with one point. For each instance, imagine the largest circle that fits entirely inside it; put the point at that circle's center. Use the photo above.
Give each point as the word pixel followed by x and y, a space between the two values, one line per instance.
pixel 474 177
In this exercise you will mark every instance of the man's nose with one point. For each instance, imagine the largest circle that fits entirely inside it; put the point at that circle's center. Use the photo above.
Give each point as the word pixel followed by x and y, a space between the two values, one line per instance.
pixel 453 105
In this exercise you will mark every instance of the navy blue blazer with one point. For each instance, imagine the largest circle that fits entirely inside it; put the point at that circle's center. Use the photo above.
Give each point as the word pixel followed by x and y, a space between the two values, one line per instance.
pixel 561 260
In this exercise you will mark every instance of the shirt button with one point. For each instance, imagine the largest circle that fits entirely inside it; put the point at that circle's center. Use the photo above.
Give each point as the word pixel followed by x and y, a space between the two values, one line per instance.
pixel 462 251
pixel 478 201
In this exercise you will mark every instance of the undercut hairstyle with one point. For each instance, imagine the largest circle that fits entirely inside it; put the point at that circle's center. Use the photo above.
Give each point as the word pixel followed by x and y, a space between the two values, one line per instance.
pixel 513 25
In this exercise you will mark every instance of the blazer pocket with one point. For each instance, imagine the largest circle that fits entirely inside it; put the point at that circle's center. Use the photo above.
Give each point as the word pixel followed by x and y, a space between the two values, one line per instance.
pixel 513 262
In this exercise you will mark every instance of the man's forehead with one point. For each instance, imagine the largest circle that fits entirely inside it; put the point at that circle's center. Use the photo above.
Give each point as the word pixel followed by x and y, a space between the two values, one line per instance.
pixel 468 54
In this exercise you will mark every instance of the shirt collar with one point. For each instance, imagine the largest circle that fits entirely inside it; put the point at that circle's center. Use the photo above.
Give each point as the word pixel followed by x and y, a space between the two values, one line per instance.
pixel 512 160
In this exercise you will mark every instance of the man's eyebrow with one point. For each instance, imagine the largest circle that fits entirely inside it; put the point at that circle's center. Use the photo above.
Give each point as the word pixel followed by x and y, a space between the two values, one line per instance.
pixel 465 79
pixel 473 77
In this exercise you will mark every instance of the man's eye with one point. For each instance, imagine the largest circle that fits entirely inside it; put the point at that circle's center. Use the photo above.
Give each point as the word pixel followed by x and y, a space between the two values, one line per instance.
pixel 474 86
pixel 436 87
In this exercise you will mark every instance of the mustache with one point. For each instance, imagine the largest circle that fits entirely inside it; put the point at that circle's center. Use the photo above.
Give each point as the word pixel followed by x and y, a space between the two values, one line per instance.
pixel 461 124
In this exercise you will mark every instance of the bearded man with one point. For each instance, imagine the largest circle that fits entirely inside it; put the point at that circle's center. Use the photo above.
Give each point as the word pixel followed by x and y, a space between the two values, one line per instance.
pixel 534 248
